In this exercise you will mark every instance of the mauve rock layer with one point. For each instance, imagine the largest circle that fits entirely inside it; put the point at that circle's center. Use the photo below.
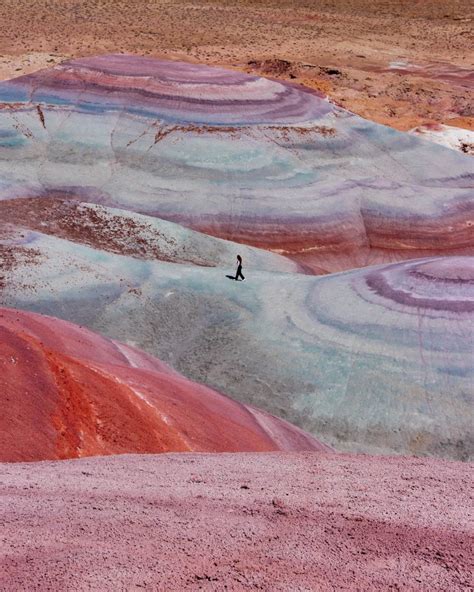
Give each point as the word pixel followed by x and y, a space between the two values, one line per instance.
pixel 236 156
pixel 450 73
pixel 272 522
pixel 375 360
pixel 66 392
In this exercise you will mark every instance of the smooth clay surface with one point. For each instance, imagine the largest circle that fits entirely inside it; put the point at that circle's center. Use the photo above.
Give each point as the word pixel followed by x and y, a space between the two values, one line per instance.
pixel 66 393
pixel 234 156
pixel 129 185
pixel 377 359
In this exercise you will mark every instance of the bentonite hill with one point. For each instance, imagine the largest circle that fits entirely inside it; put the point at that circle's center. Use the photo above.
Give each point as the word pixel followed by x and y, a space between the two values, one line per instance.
pixel 68 393
pixel 128 185
pixel 234 156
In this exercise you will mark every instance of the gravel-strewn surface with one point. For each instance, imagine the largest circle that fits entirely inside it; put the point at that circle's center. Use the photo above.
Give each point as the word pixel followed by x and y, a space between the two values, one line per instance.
pixel 293 522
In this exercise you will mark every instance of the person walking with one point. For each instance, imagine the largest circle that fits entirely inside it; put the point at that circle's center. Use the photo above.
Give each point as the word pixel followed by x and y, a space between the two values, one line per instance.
pixel 239 273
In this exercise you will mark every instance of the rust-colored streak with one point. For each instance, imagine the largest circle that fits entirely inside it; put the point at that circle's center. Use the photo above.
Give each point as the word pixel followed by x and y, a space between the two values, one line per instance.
pixel 67 393
pixel 41 115
pixel 96 415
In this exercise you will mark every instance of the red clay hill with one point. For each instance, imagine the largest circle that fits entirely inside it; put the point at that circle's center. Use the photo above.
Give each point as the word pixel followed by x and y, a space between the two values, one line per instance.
pixel 66 392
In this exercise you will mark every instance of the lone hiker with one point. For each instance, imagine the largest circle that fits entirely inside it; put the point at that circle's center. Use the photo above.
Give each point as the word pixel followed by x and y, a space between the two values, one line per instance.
pixel 239 273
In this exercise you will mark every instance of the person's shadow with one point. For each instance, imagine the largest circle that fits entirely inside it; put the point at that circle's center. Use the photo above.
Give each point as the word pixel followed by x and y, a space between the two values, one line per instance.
pixel 231 277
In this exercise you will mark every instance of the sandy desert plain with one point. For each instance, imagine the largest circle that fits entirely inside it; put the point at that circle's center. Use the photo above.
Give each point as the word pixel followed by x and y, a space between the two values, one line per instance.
pixel 164 427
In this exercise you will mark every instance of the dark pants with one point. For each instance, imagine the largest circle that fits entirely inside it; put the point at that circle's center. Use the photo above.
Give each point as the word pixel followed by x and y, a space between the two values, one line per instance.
pixel 239 273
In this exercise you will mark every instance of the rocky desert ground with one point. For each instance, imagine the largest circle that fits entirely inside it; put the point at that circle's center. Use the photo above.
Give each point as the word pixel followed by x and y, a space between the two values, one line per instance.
pixel 354 50
pixel 273 522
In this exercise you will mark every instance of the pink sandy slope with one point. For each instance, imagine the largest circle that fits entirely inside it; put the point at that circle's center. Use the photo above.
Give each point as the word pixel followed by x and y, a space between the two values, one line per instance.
pixel 258 521
pixel 66 392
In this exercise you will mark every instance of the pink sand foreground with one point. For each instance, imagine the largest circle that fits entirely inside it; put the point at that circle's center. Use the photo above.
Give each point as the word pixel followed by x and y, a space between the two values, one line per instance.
pixel 266 521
